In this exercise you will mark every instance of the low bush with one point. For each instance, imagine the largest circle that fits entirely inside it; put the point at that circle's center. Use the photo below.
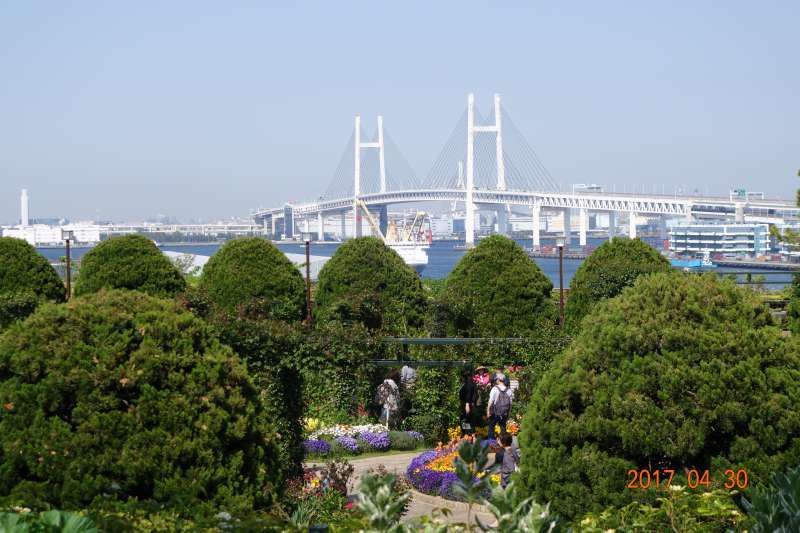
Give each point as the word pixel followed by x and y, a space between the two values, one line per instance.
pixel 775 507
pixel 26 280
pixel 47 521
pixel 367 282
pixel 253 273
pixel 677 372
pixel 679 510
pixel 496 290
pixel 402 440
pixel 129 262
pixel 120 396
pixel 614 265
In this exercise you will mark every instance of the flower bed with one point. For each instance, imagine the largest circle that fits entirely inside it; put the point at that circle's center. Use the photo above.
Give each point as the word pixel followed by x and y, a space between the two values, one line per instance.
pixel 345 430
pixel 353 440
pixel 433 472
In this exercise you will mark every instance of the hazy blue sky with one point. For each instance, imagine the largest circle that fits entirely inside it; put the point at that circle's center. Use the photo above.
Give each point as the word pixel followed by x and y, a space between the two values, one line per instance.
pixel 202 109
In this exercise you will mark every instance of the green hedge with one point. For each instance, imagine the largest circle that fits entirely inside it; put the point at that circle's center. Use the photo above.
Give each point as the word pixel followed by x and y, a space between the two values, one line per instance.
pixel 367 282
pixel 253 272
pixel 122 396
pixel 614 265
pixel 272 350
pixel 339 378
pixel 496 290
pixel 129 262
pixel 679 371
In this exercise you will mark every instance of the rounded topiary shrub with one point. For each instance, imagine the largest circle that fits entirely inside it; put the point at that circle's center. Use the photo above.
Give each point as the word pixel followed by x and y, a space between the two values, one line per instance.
pixel 496 290
pixel 613 266
pixel 366 281
pixel 129 262
pixel 254 273
pixel 679 371
pixel 119 396
pixel 26 278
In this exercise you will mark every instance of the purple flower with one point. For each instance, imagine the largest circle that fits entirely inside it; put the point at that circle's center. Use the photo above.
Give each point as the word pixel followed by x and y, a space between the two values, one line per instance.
pixel 316 447
pixel 348 443
pixel 446 487
pixel 416 435
pixel 376 441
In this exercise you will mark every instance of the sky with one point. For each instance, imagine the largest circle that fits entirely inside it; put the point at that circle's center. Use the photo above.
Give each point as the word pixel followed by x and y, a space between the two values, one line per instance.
pixel 127 110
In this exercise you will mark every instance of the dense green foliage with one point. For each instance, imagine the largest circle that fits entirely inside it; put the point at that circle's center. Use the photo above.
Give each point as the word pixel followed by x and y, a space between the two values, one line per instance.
pixel 613 266
pixel 121 396
pixel 129 262
pixel 339 378
pixel 365 281
pixel 434 402
pixel 26 279
pixel 679 371
pixel 793 310
pixel 496 290
pixel 253 272
pixel 270 348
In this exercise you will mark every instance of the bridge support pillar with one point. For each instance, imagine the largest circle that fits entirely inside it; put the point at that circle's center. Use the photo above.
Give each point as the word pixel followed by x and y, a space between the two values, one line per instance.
pixel 273 230
pixel 383 219
pixel 739 210
pixel 306 226
pixel 288 221
pixel 356 221
pixel 320 227
pixel 567 228
pixel 343 229
pixel 632 225
pixel 612 224
pixel 536 219
pixel 663 234
pixel 502 220
pixel 584 226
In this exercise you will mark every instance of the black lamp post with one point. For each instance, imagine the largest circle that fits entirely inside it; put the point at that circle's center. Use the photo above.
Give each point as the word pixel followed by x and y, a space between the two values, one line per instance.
pixel 67 236
pixel 560 244
pixel 309 319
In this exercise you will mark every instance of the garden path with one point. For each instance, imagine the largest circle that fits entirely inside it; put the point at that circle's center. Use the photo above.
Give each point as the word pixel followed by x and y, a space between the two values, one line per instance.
pixel 422 504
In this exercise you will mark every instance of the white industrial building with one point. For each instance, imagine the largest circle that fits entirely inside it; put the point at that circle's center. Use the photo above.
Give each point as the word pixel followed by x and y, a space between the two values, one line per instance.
pixel 47 235
pixel 732 239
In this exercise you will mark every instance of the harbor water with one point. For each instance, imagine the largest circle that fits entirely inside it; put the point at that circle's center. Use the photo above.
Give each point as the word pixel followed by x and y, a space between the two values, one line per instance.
pixel 442 258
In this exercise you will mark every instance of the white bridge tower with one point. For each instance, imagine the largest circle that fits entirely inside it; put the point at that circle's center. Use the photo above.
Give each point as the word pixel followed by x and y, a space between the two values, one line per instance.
pixel 359 145
pixel 472 129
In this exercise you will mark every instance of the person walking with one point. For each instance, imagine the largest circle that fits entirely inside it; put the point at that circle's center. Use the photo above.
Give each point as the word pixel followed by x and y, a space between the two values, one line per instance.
pixel 388 396
pixel 467 398
pixel 499 405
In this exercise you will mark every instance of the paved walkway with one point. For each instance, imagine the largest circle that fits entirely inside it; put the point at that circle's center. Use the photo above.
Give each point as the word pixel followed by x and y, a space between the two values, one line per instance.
pixel 421 504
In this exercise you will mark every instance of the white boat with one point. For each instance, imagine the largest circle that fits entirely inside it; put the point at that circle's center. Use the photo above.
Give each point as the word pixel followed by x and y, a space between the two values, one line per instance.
pixel 411 243
pixel 415 255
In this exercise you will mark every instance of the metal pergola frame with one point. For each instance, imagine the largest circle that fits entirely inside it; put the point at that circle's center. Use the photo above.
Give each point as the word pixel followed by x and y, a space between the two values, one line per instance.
pixel 405 342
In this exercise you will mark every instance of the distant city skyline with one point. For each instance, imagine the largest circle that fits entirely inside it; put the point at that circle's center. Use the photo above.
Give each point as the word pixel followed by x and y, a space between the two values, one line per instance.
pixel 208 110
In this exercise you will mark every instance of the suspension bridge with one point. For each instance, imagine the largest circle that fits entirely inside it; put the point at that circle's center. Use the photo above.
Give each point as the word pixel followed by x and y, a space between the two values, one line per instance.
pixel 486 165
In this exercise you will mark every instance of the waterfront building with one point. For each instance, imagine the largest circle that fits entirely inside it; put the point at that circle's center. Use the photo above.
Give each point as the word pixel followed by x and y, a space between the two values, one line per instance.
pixel 728 239
pixel 47 235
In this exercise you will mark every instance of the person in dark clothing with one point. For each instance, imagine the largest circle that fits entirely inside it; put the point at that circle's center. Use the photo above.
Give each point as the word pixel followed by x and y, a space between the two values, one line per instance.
pixel 467 397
